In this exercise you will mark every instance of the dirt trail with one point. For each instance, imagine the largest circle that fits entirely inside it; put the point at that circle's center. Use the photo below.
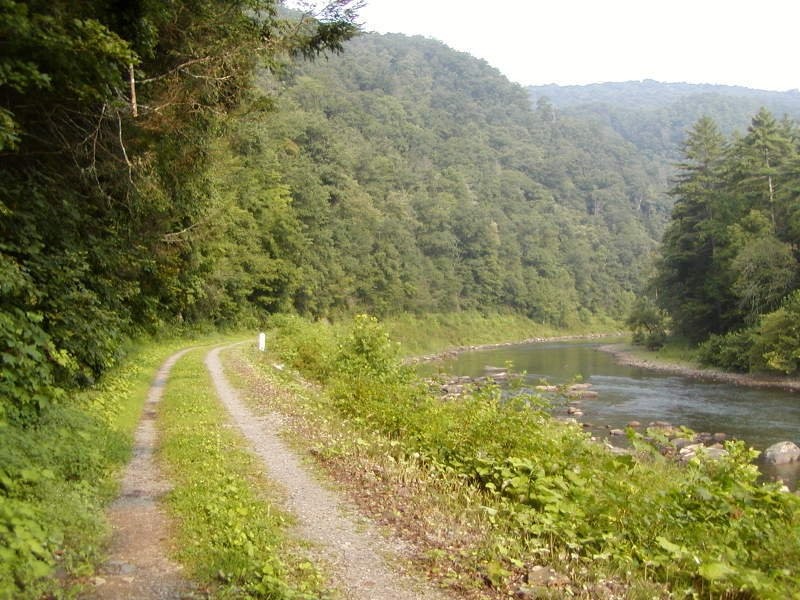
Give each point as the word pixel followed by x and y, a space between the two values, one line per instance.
pixel 353 548
pixel 138 566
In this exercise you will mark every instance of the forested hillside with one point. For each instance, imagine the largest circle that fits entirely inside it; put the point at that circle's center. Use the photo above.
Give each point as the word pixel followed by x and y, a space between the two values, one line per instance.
pixel 176 166
pixel 655 116
pixel 164 166
pixel 417 178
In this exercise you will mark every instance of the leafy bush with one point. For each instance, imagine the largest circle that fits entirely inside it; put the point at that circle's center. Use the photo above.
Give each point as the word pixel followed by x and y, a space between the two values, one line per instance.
pixel 366 350
pixel 732 351
pixel 648 324
pixel 778 337
pixel 27 367
pixel 772 345
pixel 307 347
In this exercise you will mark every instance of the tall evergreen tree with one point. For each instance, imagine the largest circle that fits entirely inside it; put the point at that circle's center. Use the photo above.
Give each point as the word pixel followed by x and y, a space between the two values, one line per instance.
pixel 690 282
pixel 757 164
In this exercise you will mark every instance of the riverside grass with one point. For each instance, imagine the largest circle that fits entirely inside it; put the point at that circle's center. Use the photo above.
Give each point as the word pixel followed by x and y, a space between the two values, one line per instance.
pixel 707 530
pixel 418 334
pixel 230 533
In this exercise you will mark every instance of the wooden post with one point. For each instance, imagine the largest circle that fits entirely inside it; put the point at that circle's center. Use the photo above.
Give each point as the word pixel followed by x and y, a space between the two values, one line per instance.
pixel 262 341
pixel 132 78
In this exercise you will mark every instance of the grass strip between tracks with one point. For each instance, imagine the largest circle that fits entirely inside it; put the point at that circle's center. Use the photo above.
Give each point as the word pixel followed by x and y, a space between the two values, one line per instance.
pixel 230 532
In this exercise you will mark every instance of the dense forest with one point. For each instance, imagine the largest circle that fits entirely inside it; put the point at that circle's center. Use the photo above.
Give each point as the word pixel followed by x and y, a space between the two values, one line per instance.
pixel 109 120
pixel 728 270
pixel 656 116
pixel 167 166
pixel 419 179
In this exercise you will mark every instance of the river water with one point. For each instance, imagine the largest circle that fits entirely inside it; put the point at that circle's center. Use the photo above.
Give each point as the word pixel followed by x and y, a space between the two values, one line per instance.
pixel 759 416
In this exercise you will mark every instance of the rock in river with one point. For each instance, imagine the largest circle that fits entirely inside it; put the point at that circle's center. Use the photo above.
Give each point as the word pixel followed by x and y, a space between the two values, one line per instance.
pixel 781 453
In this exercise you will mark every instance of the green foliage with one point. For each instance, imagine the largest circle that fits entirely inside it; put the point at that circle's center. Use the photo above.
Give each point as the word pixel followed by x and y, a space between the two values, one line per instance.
pixel 230 537
pixel 56 475
pixel 765 273
pixel 27 382
pixel 111 220
pixel 732 351
pixel 772 344
pixel 708 529
pixel 728 259
pixel 648 323
pixel 55 53
pixel 691 279
pixel 307 347
pixel 366 351
pixel 421 180
pixel 778 337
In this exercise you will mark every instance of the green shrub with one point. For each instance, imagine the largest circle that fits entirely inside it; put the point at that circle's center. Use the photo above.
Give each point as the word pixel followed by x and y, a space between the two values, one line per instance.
pixel 28 365
pixel 305 346
pixel 648 324
pixel 731 351
pixel 778 337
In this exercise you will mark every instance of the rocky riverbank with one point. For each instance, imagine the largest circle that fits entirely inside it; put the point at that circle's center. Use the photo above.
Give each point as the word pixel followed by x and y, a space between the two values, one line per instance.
pixel 622 354
pixel 453 352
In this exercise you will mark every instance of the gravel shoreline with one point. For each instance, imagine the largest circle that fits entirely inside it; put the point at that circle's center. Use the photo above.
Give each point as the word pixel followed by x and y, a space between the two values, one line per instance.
pixel 452 352
pixel 624 357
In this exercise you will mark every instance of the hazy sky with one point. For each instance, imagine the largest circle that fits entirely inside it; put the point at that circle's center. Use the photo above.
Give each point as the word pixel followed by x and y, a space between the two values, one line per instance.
pixel 738 42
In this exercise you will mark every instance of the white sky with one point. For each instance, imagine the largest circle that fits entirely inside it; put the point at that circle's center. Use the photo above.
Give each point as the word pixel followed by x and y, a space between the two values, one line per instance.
pixel 753 43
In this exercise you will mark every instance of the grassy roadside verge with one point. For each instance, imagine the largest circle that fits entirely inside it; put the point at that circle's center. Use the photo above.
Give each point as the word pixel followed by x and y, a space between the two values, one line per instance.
pixel 496 493
pixel 57 476
pixel 229 532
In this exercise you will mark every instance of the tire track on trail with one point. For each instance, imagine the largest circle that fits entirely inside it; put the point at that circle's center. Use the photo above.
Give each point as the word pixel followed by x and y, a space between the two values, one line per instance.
pixel 138 566
pixel 352 549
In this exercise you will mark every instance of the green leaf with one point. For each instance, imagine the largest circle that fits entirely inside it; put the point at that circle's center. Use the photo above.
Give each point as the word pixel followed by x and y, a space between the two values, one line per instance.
pixel 716 570
pixel 673 549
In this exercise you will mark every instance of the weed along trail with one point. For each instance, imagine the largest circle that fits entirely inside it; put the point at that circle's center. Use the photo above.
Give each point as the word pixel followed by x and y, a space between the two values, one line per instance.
pixel 354 552
pixel 138 566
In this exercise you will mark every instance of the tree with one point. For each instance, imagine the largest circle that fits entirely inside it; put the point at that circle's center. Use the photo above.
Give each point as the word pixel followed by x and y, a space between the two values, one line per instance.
pixel 690 278
pixel 648 323
pixel 764 268
pixel 108 115
pixel 758 162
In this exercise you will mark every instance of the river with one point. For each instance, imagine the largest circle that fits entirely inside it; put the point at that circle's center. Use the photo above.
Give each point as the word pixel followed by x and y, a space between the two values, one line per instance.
pixel 759 416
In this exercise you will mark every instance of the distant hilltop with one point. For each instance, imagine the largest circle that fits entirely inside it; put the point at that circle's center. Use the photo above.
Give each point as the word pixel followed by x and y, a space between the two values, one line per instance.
pixel 655 116
pixel 652 94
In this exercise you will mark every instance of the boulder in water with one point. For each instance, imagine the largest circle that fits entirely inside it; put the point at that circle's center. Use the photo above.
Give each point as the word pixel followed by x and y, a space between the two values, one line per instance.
pixel 546 388
pixel 781 453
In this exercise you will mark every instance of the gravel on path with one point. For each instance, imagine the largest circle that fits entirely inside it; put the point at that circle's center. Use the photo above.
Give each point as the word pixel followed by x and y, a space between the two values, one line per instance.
pixel 352 548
